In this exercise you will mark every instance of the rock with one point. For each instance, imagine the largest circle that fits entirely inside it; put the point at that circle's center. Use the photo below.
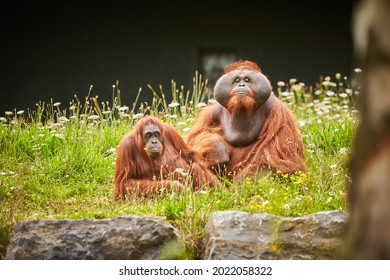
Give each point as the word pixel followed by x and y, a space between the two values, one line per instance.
pixel 130 237
pixel 238 235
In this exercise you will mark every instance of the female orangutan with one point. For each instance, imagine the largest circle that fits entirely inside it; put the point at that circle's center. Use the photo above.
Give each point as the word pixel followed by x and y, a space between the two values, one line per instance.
pixel 249 129
pixel 154 157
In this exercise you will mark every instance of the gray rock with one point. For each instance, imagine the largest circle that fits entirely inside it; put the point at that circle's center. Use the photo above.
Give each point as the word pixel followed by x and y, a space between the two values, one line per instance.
pixel 129 237
pixel 239 235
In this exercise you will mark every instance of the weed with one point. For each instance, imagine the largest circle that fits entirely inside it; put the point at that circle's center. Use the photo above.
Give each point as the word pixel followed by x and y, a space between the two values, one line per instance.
pixel 58 162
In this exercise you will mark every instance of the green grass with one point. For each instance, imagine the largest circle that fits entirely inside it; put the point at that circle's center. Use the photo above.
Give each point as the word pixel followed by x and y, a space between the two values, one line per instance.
pixel 58 162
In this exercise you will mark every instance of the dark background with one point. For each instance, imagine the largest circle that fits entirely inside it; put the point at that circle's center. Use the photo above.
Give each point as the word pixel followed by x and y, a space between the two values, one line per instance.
pixel 57 49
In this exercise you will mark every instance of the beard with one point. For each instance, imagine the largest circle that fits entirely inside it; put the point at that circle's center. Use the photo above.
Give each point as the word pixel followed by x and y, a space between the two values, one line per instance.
pixel 238 104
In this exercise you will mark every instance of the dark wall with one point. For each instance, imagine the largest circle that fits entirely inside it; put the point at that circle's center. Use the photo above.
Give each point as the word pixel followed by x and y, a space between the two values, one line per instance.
pixel 55 50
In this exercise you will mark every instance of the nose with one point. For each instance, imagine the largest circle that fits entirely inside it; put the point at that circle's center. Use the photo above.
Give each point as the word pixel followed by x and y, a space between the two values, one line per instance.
pixel 241 85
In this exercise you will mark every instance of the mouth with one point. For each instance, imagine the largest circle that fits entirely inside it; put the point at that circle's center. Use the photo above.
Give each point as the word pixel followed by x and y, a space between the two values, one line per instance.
pixel 154 152
pixel 241 94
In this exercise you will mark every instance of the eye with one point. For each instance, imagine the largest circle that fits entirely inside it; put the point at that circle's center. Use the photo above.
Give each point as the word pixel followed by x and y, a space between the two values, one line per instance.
pixel 246 79
pixel 236 80
pixel 157 134
pixel 148 135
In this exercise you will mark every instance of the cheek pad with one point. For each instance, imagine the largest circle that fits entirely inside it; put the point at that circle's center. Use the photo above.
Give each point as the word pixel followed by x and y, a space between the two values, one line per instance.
pixel 222 89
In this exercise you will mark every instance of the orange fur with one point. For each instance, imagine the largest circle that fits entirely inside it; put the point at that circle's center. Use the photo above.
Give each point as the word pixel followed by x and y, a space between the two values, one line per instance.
pixel 242 63
pixel 278 146
pixel 236 104
pixel 136 173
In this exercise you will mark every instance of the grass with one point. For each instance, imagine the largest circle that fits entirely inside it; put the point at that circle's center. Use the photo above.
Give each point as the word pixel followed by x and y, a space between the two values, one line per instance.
pixel 57 161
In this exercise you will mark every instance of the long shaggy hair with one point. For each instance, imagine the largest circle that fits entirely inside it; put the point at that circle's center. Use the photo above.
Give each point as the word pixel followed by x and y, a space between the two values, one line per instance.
pixel 237 104
pixel 278 146
pixel 137 173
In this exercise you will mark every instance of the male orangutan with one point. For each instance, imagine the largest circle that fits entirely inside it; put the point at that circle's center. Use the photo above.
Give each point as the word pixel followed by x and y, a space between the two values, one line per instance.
pixel 248 130
pixel 153 157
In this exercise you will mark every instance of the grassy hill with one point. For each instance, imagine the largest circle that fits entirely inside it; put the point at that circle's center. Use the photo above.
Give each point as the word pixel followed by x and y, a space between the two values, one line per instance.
pixel 57 161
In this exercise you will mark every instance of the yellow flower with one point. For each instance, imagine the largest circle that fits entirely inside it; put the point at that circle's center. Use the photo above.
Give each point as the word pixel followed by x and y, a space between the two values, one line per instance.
pixel 274 248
